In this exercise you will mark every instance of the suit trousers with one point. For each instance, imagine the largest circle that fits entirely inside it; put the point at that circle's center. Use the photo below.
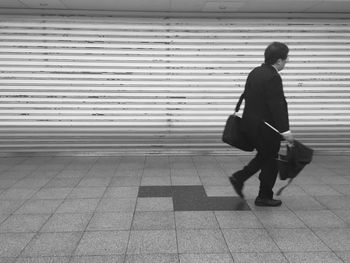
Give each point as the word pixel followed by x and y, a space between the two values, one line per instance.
pixel 267 145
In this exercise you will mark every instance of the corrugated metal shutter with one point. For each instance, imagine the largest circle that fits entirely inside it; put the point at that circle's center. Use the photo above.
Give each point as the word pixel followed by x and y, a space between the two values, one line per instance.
pixel 162 85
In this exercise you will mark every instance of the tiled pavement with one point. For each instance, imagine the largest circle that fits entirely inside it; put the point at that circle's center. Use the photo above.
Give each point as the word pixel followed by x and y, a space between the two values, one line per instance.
pixel 168 209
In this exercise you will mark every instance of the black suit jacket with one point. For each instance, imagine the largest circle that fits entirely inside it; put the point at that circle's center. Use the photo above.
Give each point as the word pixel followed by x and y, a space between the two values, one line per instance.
pixel 264 101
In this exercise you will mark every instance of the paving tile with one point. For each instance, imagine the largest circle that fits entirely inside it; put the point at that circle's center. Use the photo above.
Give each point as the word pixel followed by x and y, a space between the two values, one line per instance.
pixel 61 182
pixel 152 242
pixel 103 243
pixel 17 193
pixel 253 207
pixel 23 223
pixel 343 255
pixel 67 222
pixel 116 205
pixel 156 162
pixel 201 241
pixel 119 181
pixel 97 172
pixel 291 190
pixel 127 166
pixel 52 244
pixel 152 258
pixel 338 239
pixel 39 206
pixel 335 202
pixel 52 193
pixel 153 221
pixel 333 178
pixel 3 216
pixel 215 180
pixel 249 240
pixel 227 204
pixel 319 198
pixel 31 183
pixel 321 218
pixel 237 219
pixel 194 198
pixel 344 214
pixel 208 169
pixel 220 191
pixel 275 257
pixel 250 192
pixel 132 173
pixel 279 219
pixel 71 174
pixel 305 179
pixel 313 257
pixel 297 240
pixel 195 220
pixel 94 182
pixel 78 206
pixel 315 170
pixel 228 159
pixel 155 204
pixel 11 244
pixel 156 172
pixel 6 183
pixel 43 260
pixel 206 258
pixel 111 221
pixel 319 190
pixel 184 172
pixel 98 259
pixel 155 180
pixel 87 192
pixel 185 180
pixel 302 203
pixel 341 188
pixel 121 192
pixel 182 165
pixel 156 191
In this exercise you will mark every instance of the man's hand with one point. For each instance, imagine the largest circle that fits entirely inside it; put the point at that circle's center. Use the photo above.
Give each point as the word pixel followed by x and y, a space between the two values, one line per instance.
pixel 288 136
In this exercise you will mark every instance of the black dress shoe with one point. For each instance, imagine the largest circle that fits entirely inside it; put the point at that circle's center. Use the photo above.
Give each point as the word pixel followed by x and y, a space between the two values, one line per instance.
pixel 267 202
pixel 238 186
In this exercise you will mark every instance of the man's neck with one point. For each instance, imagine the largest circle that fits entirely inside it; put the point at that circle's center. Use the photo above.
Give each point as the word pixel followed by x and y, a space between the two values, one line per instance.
pixel 275 68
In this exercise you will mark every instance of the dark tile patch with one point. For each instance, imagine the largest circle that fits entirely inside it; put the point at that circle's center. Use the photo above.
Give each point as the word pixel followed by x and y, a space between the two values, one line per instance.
pixel 155 191
pixel 193 198
pixel 227 204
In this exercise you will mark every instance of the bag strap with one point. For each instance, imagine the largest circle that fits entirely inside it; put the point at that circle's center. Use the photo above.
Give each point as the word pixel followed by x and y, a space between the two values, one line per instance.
pixel 239 102
pixel 279 192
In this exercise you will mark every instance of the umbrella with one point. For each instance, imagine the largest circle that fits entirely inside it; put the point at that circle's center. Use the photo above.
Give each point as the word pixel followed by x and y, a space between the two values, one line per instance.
pixel 290 165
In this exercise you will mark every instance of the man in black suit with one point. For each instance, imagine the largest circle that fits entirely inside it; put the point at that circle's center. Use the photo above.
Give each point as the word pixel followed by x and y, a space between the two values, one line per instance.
pixel 265 102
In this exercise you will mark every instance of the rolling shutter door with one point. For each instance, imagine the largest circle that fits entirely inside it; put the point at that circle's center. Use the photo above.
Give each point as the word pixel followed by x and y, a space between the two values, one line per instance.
pixel 162 85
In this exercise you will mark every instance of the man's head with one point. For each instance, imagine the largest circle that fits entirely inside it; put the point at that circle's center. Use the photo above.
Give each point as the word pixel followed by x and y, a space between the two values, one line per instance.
pixel 276 54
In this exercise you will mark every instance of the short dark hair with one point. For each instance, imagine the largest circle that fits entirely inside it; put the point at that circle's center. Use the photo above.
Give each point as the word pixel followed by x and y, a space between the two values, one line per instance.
pixel 275 51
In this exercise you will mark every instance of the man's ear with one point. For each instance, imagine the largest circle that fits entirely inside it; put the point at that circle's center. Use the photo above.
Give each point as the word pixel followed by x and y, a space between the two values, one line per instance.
pixel 279 61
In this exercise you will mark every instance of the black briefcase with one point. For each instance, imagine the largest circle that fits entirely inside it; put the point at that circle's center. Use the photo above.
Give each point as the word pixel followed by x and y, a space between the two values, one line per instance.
pixel 233 135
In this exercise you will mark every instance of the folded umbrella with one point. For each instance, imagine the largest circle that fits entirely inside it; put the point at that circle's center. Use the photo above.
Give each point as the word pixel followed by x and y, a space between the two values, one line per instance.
pixel 290 165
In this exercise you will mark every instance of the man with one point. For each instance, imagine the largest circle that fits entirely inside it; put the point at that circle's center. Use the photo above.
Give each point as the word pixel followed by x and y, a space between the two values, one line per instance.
pixel 265 102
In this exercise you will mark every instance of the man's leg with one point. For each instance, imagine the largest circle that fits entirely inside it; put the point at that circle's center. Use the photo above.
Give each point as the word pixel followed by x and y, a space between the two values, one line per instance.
pixel 238 178
pixel 268 174
pixel 268 178
pixel 250 169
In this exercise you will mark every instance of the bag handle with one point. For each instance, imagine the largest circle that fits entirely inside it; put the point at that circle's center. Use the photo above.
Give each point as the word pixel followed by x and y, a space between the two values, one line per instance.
pixel 239 103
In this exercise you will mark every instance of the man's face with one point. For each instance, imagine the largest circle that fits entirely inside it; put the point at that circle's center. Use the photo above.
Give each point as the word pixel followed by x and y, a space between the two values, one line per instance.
pixel 281 63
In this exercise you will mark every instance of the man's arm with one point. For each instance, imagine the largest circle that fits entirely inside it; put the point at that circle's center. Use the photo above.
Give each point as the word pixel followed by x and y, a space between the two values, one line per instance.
pixel 278 107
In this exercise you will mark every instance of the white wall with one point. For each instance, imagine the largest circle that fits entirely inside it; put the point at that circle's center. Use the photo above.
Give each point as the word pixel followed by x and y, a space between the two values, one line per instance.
pixel 162 85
